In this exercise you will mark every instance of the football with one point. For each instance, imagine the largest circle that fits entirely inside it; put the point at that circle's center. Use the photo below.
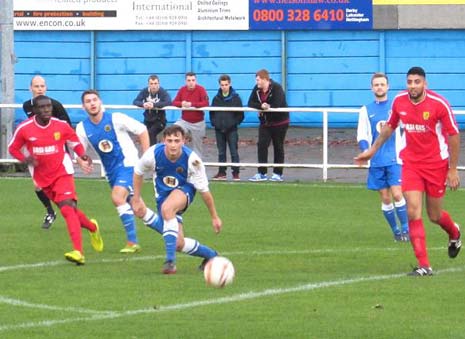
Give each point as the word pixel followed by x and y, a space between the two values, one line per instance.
pixel 219 272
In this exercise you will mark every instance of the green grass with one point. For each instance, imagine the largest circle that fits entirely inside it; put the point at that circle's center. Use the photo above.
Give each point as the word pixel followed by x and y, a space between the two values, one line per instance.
pixel 312 261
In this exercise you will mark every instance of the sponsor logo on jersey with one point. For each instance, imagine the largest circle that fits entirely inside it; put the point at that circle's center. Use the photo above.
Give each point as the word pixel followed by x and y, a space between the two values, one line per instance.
pixel 380 125
pixel 170 181
pixel 415 128
pixel 425 115
pixel 106 146
pixel 44 150
pixel 402 113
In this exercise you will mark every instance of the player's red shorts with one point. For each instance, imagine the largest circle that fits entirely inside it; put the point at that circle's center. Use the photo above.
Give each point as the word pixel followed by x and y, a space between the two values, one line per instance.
pixel 62 189
pixel 431 180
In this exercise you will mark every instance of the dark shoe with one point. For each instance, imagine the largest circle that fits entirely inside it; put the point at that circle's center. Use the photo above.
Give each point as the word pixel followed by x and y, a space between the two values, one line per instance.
pixel 219 177
pixel 48 220
pixel 169 267
pixel 236 177
pixel 421 272
pixel 204 262
pixel 454 247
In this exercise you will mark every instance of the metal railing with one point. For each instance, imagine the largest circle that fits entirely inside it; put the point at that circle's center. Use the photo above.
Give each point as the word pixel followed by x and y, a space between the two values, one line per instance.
pixel 324 165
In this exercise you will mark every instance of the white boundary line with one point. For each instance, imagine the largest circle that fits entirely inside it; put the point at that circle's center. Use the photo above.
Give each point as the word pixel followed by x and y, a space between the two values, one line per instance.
pixel 217 301
pixel 156 257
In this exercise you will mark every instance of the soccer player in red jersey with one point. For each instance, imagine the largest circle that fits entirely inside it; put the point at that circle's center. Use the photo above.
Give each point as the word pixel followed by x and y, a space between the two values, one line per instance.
pixel 44 139
pixel 430 159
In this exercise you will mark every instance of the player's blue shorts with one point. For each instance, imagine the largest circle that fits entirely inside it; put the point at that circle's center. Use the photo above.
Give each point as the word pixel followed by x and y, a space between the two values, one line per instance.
pixel 384 177
pixel 122 176
pixel 188 190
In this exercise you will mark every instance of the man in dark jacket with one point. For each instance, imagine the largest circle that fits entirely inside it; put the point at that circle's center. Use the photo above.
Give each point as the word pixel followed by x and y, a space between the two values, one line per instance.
pixel 152 98
pixel 225 124
pixel 273 125
pixel 39 87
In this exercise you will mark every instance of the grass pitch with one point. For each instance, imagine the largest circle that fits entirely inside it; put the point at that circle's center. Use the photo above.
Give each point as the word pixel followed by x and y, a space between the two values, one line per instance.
pixel 312 261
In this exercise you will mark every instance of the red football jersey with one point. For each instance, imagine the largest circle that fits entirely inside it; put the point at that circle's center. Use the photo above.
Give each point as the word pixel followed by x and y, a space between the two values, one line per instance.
pixel 47 145
pixel 426 126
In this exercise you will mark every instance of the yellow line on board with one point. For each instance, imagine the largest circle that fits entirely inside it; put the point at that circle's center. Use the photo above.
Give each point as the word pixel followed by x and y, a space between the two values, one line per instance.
pixel 418 2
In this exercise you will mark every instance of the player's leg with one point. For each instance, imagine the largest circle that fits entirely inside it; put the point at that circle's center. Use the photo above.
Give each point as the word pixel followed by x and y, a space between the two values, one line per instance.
pixel 176 201
pixel 377 181
pixel 193 247
pixel 435 190
pixel 394 181
pixel 119 197
pixel 389 213
pixel 416 227
pixel 50 215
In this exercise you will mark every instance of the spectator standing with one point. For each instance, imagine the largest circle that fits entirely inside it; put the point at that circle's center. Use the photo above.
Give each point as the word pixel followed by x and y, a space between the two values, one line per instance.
pixel 39 87
pixel 152 99
pixel 226 124
pixel 273 125
pixel 384 173
pixel 192 95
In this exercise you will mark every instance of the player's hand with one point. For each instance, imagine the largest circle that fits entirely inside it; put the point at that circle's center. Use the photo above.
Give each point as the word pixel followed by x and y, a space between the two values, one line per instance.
pixel 453 179
pixel 362 158
pixel 31 161
pixel 138 206
pixel 217 224
pixel 85 163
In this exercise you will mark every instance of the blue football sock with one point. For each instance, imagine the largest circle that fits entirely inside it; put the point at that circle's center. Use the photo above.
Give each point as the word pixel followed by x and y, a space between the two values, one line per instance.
pixel 126 215
pixel 152 220
pixel 390 215
pixel 194 248
pixel 401 211
pixel 170 235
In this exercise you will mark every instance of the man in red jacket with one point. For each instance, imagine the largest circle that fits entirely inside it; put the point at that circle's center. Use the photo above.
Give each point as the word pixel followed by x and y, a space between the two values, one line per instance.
pixel 192 95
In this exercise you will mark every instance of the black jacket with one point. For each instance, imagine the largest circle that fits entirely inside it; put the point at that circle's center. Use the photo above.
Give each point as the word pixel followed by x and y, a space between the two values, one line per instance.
pixel 223 120
pixel 276 99
pixel 159 99
pixel 58 111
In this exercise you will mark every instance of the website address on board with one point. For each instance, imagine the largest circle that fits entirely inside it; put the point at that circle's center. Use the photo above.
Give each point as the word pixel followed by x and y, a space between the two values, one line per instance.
pixel 81 23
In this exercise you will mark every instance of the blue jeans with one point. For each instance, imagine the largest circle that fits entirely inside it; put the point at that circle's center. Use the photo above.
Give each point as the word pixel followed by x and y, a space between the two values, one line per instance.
pixel 230 138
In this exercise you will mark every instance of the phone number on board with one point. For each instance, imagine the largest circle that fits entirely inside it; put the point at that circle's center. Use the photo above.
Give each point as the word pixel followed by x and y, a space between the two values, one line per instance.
pixel 298 15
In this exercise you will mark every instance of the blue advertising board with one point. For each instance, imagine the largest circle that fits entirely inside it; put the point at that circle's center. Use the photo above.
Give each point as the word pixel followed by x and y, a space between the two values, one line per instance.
pixel 310 14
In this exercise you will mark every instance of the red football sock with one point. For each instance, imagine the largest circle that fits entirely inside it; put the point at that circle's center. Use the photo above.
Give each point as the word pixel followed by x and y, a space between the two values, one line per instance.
pixel 74 229
pixel 448 225
pixel 85 222
pixel 418 240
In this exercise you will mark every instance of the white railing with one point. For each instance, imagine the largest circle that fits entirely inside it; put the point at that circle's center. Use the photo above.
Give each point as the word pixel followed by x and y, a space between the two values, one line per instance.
pixel 324 165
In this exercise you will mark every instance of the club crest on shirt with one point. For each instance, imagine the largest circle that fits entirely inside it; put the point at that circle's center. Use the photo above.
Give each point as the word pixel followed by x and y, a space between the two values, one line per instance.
pixel 107 128
pixel 170 181
pixel 106 146
pixel 425 115
pixel 380 125
pixel 57 136
pixel 179 170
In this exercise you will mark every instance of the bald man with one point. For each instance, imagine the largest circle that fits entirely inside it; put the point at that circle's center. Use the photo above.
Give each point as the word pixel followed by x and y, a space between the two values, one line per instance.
pixel 39 87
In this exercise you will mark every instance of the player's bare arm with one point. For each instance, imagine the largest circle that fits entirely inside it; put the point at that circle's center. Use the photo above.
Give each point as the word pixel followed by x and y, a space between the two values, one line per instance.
pixel 380 140
pixel 144 141
pixel 137 203
pixel 210 203
pixel 453 178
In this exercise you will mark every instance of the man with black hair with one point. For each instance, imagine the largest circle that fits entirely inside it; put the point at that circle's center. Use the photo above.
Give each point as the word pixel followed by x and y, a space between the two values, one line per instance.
pixel 430 160
pixel 39 87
